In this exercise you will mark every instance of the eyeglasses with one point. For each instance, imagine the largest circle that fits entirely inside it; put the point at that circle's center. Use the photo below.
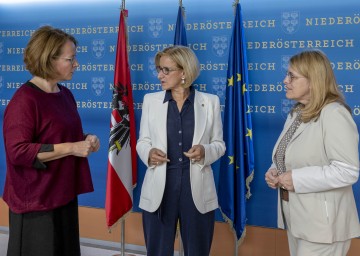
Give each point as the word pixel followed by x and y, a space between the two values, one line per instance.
pixel 166 70
pixel 292 77
pixel 71 60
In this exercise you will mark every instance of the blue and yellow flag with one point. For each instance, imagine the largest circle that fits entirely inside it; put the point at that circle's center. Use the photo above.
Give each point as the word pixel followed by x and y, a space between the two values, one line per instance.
pixel 180 32
pixel 237 165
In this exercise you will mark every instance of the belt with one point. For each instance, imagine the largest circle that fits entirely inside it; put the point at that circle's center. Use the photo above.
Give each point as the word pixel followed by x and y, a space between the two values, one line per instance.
pixel 284 194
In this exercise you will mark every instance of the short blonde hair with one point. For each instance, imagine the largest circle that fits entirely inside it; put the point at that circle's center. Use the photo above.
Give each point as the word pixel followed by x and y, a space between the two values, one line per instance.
pixel 315 66
pixel 45 44
pixel 185 59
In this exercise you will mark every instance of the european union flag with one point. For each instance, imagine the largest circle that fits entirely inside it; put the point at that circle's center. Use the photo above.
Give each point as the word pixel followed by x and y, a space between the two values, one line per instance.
pixel 180 32
pixel 237 165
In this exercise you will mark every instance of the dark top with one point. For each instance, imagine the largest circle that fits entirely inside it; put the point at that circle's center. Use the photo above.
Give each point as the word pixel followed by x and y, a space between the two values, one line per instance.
pixel 180 130
pixel 33 119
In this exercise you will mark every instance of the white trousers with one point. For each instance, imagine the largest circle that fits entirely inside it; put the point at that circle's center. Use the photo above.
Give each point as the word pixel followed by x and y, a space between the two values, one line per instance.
pixel 301 247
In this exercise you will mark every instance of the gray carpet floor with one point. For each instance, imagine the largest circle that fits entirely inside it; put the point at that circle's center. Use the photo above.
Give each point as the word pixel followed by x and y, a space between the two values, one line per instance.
pixel 85 250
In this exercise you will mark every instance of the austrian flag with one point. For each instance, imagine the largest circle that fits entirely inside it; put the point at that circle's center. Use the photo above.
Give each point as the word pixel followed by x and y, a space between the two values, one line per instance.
pixel 121 173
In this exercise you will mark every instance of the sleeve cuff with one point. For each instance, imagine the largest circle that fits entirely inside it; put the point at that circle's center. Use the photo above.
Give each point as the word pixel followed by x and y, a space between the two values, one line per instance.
pixel 44 148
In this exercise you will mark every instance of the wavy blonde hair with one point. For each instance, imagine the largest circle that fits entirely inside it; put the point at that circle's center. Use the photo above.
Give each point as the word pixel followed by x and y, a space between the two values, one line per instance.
pixel 185 59
pixel 315 66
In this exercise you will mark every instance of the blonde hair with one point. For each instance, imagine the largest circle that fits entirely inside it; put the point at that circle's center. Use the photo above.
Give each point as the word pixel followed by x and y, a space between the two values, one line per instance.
pixel 185 59
pixel 315 66
pixel 45 44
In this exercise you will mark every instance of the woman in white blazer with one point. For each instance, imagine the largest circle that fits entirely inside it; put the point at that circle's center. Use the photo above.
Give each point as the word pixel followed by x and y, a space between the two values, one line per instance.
pixel 180 137
pixel 316 162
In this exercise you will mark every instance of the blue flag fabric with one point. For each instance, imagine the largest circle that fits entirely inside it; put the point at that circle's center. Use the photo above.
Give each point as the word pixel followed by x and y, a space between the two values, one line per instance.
pixel 237 165
pixel 180 32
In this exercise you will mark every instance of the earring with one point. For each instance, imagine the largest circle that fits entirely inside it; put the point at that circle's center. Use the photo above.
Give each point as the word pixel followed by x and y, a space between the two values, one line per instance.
pixel 183 80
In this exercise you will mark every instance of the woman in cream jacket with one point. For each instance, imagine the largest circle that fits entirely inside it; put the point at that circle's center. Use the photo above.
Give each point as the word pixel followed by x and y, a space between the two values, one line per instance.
pixel 316 162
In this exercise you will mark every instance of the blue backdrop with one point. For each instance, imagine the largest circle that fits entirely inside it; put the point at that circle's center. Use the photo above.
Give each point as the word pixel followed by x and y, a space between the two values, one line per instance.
pixel 274 31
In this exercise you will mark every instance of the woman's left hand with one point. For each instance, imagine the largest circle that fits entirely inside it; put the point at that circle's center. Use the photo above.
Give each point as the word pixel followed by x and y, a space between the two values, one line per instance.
pixel 94 141
pixel 285 181
pixel 196 153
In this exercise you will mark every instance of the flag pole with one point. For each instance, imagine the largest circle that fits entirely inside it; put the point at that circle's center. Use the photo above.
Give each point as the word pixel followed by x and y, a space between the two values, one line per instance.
pixel 236 246
pixel 122 224
pixel 235 238
pixel 181 248
pixel 122 238
pixel 122 221
pixel 180 40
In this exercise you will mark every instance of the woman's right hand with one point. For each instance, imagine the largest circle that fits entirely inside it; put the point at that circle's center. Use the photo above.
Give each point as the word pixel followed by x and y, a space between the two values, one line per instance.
pixel 157 157
pixel 79 149
pixel 82 148
pixel 271 178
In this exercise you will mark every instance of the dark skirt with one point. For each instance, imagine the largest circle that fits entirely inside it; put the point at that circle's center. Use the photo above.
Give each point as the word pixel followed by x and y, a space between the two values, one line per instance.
pixel 45 233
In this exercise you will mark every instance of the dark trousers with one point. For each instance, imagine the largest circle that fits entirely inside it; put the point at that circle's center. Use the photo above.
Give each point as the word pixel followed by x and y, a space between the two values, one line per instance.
pixel 177 205
pixel 46 233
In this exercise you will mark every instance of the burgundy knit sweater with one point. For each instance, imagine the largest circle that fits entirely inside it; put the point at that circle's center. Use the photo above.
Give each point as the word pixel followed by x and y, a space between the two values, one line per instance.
pixel 34 118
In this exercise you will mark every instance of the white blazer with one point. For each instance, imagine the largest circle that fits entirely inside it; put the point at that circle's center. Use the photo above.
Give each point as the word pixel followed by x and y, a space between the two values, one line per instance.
pixel 153 134
pixel 324 160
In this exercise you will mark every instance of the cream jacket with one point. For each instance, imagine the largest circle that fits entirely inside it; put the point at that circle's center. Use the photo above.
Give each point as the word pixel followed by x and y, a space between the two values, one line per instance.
pixel 207 132
pixel 324 160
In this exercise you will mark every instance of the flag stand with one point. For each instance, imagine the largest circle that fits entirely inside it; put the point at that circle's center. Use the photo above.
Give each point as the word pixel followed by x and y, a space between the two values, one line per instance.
pixel 122 238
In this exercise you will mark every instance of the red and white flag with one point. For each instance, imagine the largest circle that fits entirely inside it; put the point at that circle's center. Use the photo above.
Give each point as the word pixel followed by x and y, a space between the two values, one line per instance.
pixel 121 173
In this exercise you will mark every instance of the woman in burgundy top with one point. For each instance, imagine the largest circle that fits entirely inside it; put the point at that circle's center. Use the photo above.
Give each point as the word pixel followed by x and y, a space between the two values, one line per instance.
pixel 46 152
